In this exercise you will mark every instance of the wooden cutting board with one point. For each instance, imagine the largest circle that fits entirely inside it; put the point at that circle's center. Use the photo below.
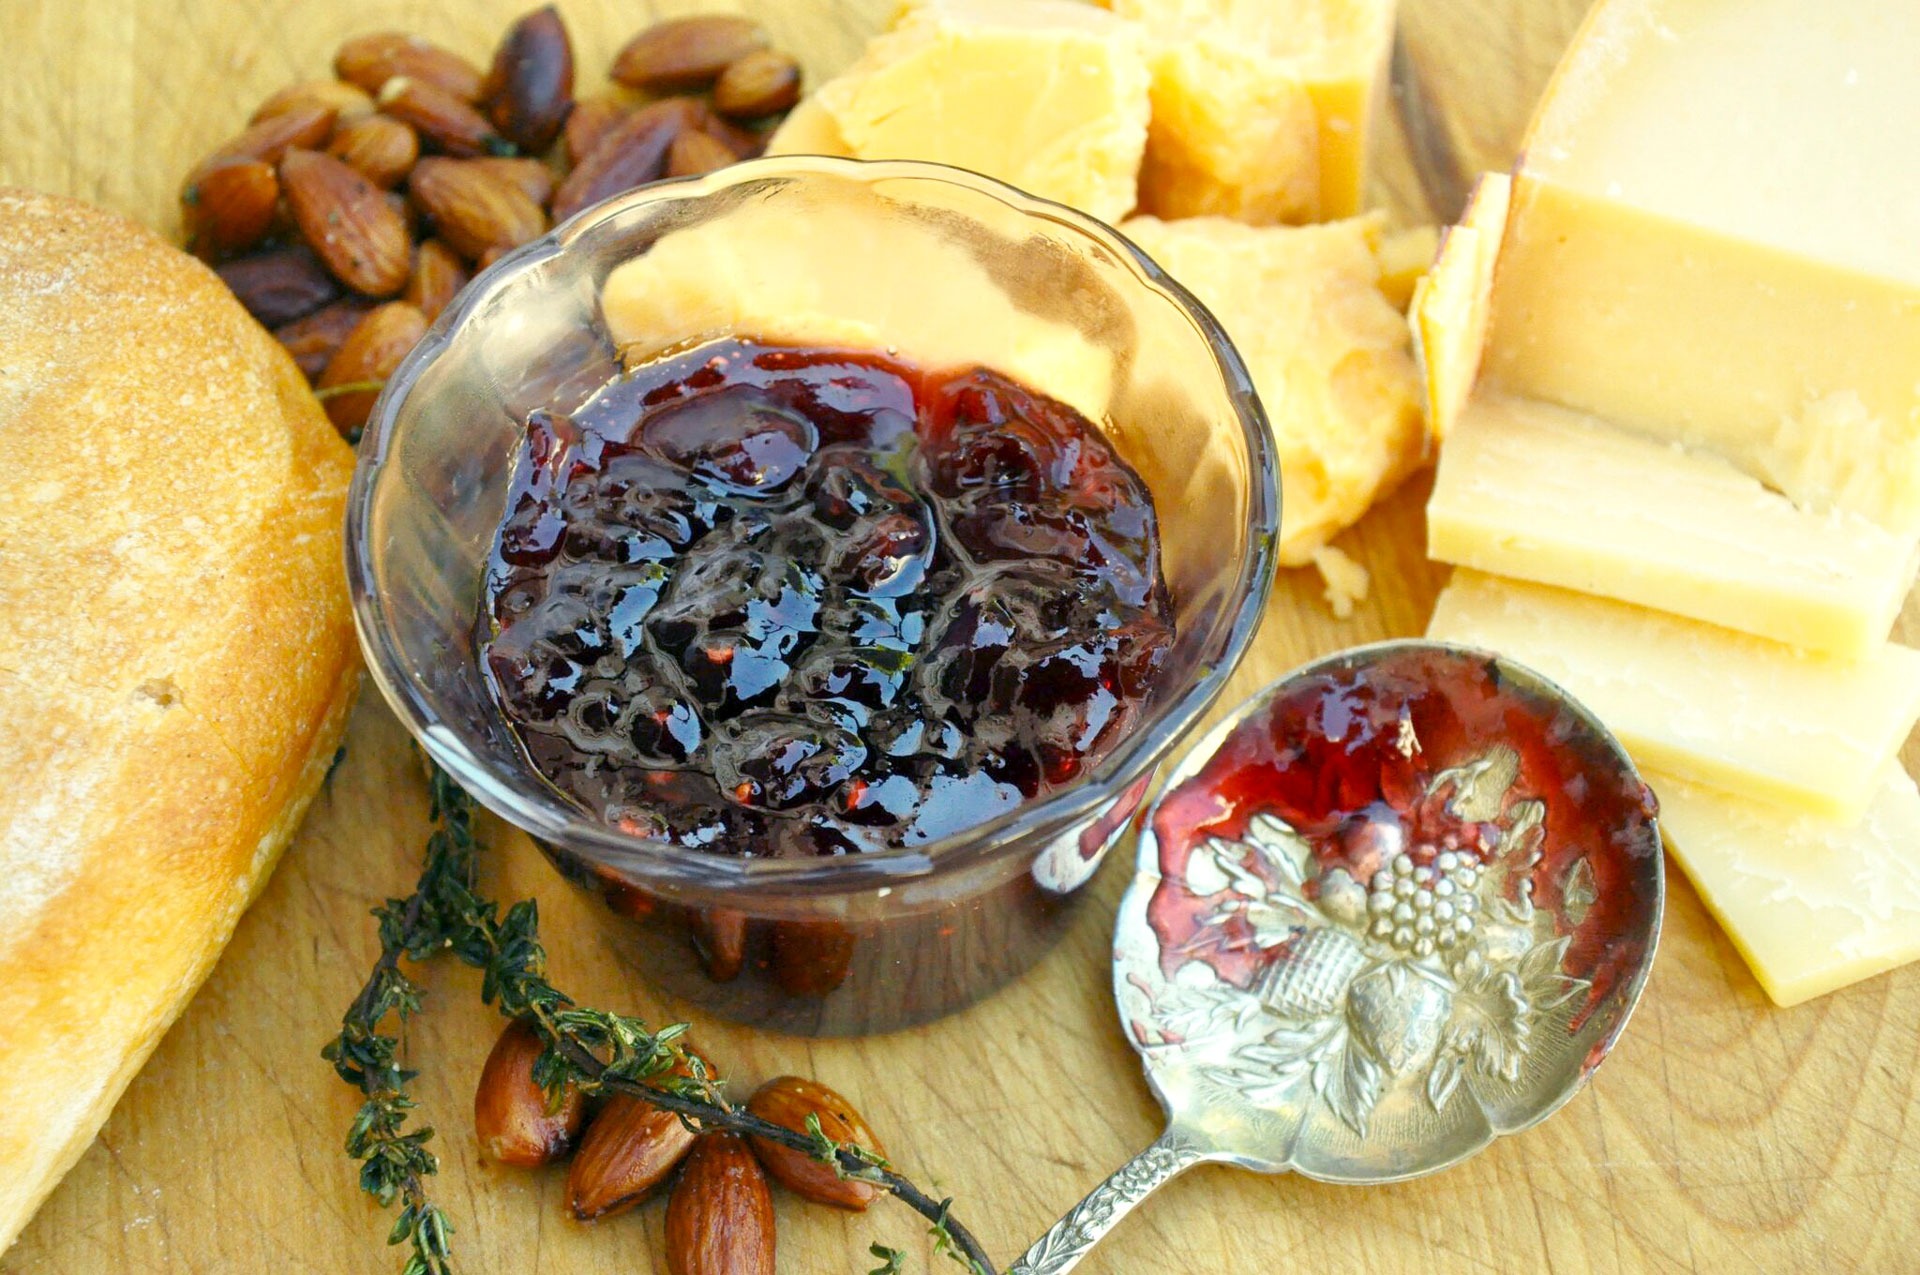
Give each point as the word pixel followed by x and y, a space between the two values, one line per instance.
pixel 1725 1135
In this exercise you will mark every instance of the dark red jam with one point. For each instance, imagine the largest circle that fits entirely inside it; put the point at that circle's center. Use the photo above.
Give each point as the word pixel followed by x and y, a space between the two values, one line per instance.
pixel 784 602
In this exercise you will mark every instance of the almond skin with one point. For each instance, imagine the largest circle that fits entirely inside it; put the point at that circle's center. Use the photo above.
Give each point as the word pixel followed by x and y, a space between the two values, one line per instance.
pixel 231 207
pixel 369 61
pixel 787 1101
pixel 348 222
pixel 811 958
pixel 694 153
pixel 365 360
pixel 631 153
pixel 720 1216
pixel 532 176
pixel 757 85
pixel 511 1117
pixel 270 139
pixel 381 147
pixel 587 124
pixel 347 101
pixel 530 88
pixel 438 275
pixel 720 937
pixel 313 340
pixel 474 209
pixel 686 53
pixel 279 285
pixel 444 122
pixel 629 1149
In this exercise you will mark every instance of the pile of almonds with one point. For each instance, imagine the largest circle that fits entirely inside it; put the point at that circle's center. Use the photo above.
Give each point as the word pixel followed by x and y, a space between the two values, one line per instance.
pixel 351 210
pixel 719 1207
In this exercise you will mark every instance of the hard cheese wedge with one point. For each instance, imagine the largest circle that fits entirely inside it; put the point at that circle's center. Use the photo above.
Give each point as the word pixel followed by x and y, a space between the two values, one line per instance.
pixel 1716 239
pixel 1329 354
pixel 1263 110
pixel 1706 704
pixel 1047 95
pixel 1452 301
pixel 1540 493
pixel 1812 905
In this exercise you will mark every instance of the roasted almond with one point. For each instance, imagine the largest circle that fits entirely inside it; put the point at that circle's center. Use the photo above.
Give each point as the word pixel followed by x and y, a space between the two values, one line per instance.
pixel 811 958
pixel 230 207
pixel 444 122
pixel 788 1101
pixel 757 85
pixel 628 1150
pixel 511 1115
pixel 720 937
pixel 744 142
pixel 720 1215
pixel 270 139
pixel 473 208
pixel 587 123
pixel 693 153
pixel 348 101
pixel 348 222
pixel 530 88
pixel 369 61
pixel 686 53
pixel 313 340
pixel 279 285
pixel 438 275
pixel 631 153
pixel 532 176
pixel 381 147
pixel 364 361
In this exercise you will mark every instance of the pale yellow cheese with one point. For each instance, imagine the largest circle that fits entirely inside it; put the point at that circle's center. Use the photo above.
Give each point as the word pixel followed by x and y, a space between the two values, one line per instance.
pixel 808 130
pixel 1762 720
pixel 1716 239
pixel 1405 257
pixel 1263 110
pixel 1329 355
pixel 1812 905
pixel 1451 303
pixel 806 274
pixel 1541 493
pixel 1050 96
pixel 1344 581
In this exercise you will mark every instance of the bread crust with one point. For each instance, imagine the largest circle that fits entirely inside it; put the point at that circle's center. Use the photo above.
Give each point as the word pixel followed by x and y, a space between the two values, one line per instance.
pixel 177 655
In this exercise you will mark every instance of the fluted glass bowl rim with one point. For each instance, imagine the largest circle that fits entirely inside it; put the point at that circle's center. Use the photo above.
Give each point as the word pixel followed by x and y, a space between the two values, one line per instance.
pixel 531 805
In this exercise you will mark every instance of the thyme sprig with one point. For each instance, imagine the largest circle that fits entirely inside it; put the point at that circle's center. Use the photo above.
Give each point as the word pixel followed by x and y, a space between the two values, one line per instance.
pixel 593 1050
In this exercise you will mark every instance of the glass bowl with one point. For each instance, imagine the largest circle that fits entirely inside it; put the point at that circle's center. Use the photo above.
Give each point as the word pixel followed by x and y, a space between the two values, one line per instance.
pixel 946 268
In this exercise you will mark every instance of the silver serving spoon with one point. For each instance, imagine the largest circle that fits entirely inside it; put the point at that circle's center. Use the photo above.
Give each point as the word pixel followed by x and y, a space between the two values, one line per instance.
pixel 1369 998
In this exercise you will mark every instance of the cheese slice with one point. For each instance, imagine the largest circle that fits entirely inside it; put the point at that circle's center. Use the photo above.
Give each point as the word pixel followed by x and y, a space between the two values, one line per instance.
pixel 1716 239
pixel 1540 493
pixel 1451 303
pixel 1706 704
pixel 1050 96
pixel 1812 905
pixel 1263 110
pixel 1405 257
pixel 1329 354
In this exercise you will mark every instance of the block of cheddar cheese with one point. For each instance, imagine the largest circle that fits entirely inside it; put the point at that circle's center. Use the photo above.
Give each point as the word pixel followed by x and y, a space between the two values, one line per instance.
pixel 1329 354
pixel 1050 96
pixel 1764 721
pixel 1263 110
pixel 1541 493
pixel 1716 239
pixel 1811 904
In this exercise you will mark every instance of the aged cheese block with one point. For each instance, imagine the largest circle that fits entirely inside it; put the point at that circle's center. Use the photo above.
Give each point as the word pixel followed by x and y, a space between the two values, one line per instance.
pixel 1405 257
pixel 1811 904
pixel 1764 721
pixel 1329 354
pixel 1047 95
pixel 1541 493
pixel 1263 110
pixel 1451 303
pixel 1716 239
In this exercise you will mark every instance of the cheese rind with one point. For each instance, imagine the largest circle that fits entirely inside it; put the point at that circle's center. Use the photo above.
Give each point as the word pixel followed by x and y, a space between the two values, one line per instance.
pixel 1540 493
pixel 1811 904
pixel 1330 357
pixel 1050 96
pixel 1451 303
pixel 1765 721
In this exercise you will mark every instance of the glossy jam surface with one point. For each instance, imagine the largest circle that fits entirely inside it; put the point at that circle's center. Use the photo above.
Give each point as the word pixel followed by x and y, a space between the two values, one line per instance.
pixel 781 602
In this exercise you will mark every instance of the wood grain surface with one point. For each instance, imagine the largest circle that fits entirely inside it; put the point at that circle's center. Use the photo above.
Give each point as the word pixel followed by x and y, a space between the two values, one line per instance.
pixel 1723 1136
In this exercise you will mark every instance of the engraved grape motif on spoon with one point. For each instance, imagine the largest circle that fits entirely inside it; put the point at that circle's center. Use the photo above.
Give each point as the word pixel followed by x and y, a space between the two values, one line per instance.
pixel 1398 905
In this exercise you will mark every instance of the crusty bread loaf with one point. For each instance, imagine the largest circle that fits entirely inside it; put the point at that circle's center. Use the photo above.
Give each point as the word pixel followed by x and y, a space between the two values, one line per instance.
pixel 176 653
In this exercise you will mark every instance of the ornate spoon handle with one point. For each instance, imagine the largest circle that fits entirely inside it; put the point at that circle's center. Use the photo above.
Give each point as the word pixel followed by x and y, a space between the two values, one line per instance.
pixel 1060 1249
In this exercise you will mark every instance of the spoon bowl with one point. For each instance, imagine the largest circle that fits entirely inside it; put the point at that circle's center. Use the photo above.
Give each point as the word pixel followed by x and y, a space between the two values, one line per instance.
pixel 1397 905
